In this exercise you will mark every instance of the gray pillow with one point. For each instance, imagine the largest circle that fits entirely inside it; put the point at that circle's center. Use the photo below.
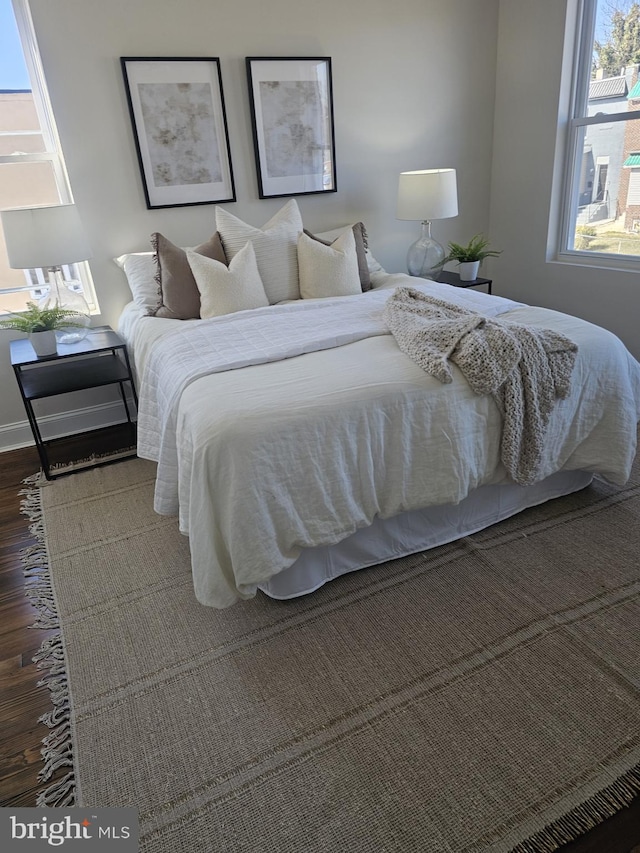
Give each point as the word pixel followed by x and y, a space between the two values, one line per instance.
pixel 178 291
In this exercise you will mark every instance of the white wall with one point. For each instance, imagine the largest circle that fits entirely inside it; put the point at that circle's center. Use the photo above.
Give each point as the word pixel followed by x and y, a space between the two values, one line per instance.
pixel 414 85
pixel 529 101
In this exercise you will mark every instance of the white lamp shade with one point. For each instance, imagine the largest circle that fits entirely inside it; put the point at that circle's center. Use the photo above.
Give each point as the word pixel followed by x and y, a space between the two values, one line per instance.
pixel 44 236
pixel 427 194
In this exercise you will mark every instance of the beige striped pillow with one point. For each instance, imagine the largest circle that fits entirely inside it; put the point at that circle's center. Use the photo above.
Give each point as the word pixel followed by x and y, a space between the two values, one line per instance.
pixel 275 245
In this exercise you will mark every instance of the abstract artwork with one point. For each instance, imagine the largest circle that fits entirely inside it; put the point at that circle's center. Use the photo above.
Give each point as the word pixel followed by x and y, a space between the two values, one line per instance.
pixel 180 130
pixel 292 118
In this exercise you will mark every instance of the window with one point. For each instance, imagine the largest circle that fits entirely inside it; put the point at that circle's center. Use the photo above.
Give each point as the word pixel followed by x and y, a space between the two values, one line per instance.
pixel 602 195
pixel 32 170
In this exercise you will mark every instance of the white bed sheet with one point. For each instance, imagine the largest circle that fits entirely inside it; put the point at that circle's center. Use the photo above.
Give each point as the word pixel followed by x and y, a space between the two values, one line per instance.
pixel 416 531
pixel 264 473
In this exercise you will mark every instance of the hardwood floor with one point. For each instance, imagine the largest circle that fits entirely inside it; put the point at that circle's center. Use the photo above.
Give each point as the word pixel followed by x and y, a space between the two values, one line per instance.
pixel 22 702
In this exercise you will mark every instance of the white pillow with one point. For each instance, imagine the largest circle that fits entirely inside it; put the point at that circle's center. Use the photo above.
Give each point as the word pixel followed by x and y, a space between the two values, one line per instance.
pixel 372 263
pixel 224 290
pixel 328 270
pixel 275 245
pixel 140 270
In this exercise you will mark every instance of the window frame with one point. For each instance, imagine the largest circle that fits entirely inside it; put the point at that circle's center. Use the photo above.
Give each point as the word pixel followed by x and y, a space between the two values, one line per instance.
pixel 577 122
pixel 53 153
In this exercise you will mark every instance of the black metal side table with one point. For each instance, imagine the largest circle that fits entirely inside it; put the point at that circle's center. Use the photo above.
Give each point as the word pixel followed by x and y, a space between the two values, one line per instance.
pixel 453 278
pixel 100 359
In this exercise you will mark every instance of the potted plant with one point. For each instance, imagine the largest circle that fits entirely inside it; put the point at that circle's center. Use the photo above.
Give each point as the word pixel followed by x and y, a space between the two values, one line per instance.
pixel 470 257
pixel 41 323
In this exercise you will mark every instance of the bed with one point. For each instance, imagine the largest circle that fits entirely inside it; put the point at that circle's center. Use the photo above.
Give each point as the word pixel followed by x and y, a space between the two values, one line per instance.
pixel 296 441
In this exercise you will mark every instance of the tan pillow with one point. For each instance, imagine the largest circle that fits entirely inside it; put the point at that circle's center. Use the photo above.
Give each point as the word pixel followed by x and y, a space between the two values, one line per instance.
pixel 179 294
pixel 360 233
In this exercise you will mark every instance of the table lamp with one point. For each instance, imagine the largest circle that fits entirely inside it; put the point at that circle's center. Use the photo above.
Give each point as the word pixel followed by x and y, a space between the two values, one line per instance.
pixel 425 195
pixel 50 237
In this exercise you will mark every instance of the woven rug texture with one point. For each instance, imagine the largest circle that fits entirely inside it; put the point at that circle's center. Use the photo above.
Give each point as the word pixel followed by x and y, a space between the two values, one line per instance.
pixel 482 696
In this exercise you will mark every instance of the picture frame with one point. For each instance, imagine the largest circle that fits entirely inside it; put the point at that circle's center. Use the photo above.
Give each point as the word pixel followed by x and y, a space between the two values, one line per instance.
pixel 291 101
pixel 179 122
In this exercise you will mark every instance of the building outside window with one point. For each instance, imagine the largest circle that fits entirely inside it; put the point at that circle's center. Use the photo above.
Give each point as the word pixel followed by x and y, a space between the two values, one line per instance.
pixel 32 169
pixel 602 192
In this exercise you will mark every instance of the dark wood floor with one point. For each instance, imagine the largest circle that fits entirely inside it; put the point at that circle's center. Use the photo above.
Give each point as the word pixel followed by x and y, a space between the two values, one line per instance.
pixel 22 702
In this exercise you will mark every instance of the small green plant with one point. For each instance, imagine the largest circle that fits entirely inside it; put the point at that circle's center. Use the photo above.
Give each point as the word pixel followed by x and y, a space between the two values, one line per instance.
pixel 475 250
pixel 36 319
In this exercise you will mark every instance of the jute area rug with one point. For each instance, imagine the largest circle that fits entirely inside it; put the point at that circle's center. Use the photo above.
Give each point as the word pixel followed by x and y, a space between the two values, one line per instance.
pixel 480 697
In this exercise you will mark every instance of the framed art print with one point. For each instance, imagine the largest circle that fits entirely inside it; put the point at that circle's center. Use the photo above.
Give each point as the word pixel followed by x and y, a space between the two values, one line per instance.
pixel 291 101
pixel 180 129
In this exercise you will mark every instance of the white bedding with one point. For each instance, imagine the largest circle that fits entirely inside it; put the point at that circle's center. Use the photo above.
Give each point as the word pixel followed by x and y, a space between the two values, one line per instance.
pixel 268 459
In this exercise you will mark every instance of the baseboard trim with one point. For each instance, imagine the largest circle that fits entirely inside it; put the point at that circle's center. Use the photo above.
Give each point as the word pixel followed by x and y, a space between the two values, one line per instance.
pixel 16 435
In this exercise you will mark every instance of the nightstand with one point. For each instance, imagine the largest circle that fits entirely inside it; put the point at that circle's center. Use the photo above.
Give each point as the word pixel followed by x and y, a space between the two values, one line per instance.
pixel 100 359
pixel 454 279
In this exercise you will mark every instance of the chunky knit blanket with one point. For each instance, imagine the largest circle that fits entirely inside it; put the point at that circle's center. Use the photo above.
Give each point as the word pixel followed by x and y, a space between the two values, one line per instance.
pixel 526 370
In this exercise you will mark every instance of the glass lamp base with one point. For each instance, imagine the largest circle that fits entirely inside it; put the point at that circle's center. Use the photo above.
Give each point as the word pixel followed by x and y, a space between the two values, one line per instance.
pixel 70 336
pixel 425 258
pixel 74 306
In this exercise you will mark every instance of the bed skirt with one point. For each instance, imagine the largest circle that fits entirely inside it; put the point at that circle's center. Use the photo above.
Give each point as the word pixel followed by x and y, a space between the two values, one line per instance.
pixel 416 531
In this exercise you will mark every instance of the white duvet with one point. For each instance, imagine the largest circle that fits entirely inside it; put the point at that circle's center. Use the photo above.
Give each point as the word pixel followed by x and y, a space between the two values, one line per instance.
pixel 292 426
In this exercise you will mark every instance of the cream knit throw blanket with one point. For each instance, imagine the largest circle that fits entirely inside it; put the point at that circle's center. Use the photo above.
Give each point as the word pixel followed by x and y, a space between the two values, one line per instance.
pixel 526 370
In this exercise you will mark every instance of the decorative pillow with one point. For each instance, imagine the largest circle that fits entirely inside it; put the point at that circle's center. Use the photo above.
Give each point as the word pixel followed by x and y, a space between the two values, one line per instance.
pixel 140 270
pixel 224 290
pixel 179 296
pixel 328 270
pixel 375 268
pixel 360 234
pixel 275 245
pixel 372 264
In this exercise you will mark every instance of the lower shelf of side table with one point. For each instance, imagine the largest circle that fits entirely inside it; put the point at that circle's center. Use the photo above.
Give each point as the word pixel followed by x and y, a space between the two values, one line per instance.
pixel 104 446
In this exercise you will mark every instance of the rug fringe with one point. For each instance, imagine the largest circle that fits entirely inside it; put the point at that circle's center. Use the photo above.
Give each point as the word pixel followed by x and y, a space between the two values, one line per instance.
pixel 586 816
pixel 57 746
pixel 62 794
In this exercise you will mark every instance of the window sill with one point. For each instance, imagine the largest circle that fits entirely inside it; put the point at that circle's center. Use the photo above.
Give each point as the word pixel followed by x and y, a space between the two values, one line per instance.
pixel 597 261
